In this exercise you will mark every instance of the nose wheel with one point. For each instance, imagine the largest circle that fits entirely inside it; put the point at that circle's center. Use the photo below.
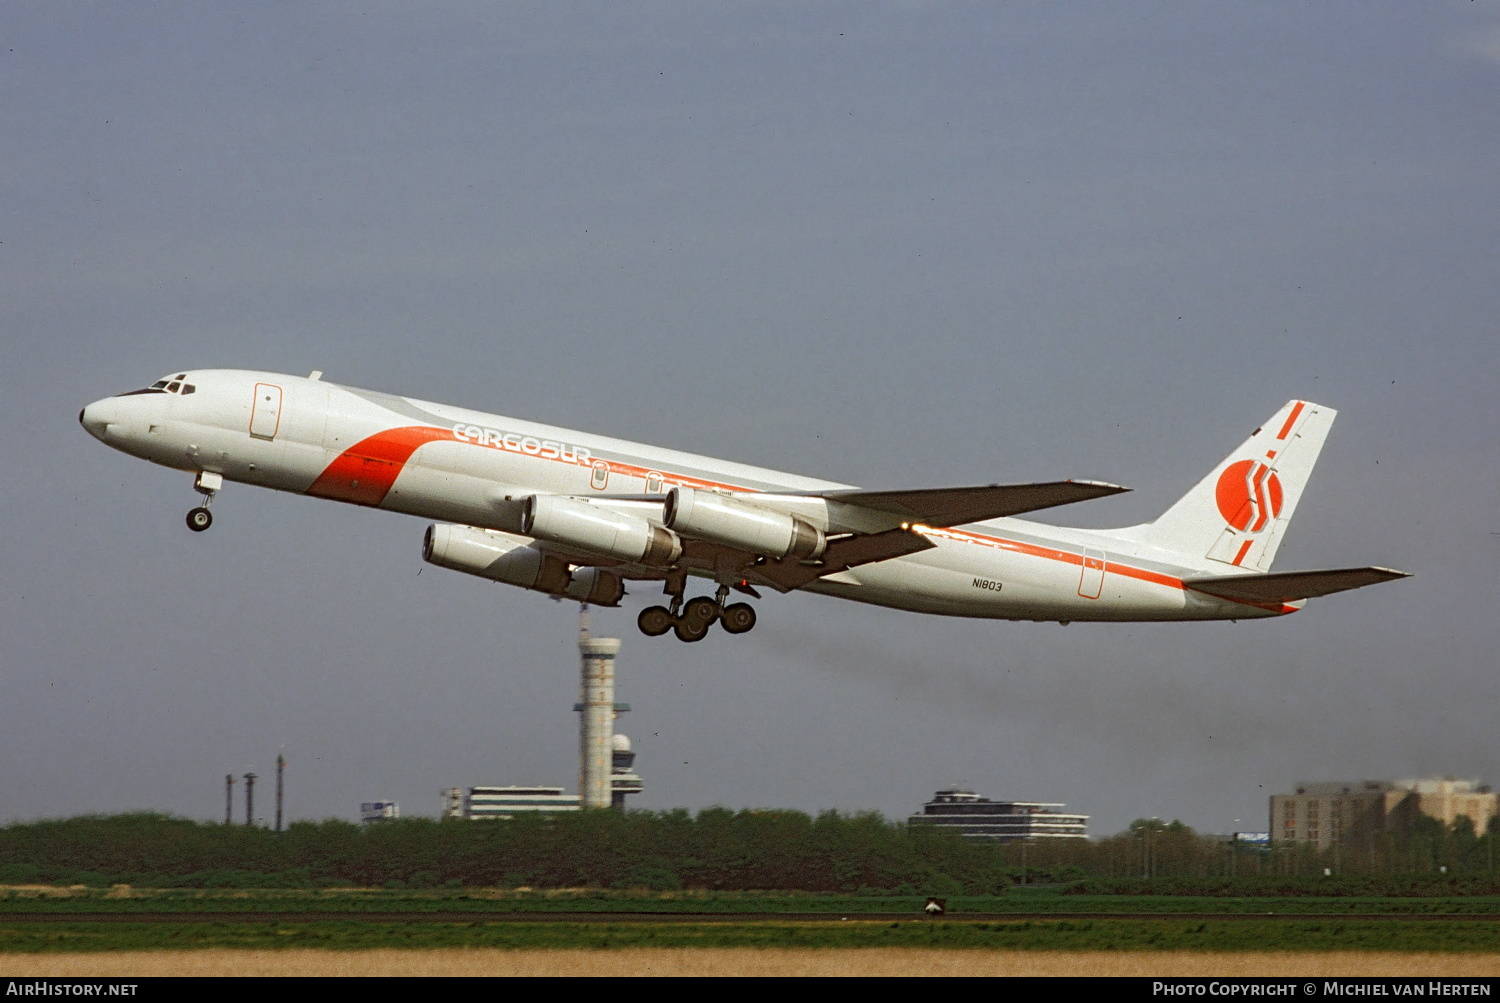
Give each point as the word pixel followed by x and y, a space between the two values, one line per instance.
pixel 208 484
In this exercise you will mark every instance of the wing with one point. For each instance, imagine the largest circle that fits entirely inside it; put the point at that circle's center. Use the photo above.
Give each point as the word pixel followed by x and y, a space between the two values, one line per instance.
pixel 840 555
pixel 865 527
pixel 1292 585
pixel 956 506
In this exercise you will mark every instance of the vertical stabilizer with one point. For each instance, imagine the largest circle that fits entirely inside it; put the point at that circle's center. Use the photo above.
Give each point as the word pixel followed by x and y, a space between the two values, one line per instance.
pixel 1236 516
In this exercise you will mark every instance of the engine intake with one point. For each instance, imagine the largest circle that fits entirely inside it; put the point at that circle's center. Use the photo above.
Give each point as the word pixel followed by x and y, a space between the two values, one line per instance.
pixel 721 519
pixel 499 558
pixel 598 530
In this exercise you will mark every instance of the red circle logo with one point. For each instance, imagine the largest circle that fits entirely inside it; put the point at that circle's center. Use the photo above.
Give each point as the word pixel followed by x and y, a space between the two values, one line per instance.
pixel 1249 495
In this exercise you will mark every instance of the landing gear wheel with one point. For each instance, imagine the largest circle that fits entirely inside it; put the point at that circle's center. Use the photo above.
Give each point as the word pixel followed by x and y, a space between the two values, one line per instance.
pixel 199 519
pixel 691 630
pixel 655 621
pixel 738 618
pixel 701 610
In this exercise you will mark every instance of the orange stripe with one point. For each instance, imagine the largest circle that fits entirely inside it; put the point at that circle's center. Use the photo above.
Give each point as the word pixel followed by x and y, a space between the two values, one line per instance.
pixel 1244 549
pixel 1053 554
pixel 363 473
pixel 676 480
pixel 1290 421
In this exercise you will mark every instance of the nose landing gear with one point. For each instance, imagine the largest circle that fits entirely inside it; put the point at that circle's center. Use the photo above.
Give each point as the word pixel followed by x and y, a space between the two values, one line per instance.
pixel 691 621
pixel 208 484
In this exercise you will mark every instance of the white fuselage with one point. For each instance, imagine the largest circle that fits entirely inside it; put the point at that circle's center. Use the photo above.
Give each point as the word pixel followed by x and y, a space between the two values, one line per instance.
pixel 455 465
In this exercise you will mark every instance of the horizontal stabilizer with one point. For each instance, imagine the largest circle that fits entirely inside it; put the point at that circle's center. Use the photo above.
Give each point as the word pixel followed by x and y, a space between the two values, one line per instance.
pixel 941 507
pixel 1292 585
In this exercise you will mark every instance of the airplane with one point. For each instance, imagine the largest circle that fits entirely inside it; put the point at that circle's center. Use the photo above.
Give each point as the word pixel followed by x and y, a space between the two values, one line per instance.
pixel 577 515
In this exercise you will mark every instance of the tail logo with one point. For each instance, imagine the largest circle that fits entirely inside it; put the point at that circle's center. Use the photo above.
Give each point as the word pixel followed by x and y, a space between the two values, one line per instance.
pixel 1249 495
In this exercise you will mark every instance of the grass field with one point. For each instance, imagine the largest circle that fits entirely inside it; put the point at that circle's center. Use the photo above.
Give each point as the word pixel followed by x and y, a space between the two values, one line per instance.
pixel 38 921
pixel 666 961
pixel 1123 934
pixel 16 901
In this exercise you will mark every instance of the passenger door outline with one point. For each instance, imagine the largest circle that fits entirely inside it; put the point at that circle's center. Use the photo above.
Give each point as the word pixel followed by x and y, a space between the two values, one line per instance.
pixel 265 411
pixel 1091 578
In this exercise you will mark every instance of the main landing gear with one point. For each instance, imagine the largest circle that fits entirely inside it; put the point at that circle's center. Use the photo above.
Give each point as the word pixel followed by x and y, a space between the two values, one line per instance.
pixel 208 484
pixel 691 621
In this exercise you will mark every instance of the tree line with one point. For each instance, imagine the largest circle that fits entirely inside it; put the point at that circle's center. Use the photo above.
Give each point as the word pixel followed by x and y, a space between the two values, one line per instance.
pixel 722 850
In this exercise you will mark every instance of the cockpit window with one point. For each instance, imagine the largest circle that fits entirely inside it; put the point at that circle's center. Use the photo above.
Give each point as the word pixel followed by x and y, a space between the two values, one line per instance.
pixel 170 385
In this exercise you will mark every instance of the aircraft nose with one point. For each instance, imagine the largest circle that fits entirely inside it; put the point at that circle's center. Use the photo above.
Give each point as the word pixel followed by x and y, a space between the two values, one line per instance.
pixel 94 419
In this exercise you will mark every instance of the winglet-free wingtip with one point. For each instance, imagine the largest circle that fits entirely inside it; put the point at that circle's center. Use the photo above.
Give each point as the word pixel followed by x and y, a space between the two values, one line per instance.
pixel 1113 489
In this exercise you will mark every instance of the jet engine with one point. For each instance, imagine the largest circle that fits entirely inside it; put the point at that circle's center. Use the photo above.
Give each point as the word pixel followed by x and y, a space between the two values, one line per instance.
pixel 598 530
pixel 500 558
pixel 721 519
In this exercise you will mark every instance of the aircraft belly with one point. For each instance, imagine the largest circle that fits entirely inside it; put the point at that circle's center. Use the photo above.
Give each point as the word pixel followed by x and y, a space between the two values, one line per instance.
pixel 278 463
pixel 282 464
pixel 461 498
pixel 961 579
pixel 160 441
pixel 518 474
pixel 454 482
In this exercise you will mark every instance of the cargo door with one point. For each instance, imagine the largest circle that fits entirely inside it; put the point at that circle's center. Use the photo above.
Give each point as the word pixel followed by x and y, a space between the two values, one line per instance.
pixel 265 412
pixel 1091 582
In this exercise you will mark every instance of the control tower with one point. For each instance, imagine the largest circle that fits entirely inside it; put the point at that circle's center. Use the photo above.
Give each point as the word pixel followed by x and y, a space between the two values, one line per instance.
pixel 605 761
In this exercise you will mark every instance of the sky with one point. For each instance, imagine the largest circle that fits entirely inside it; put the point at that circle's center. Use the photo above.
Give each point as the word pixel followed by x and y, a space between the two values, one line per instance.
pixel 889 244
